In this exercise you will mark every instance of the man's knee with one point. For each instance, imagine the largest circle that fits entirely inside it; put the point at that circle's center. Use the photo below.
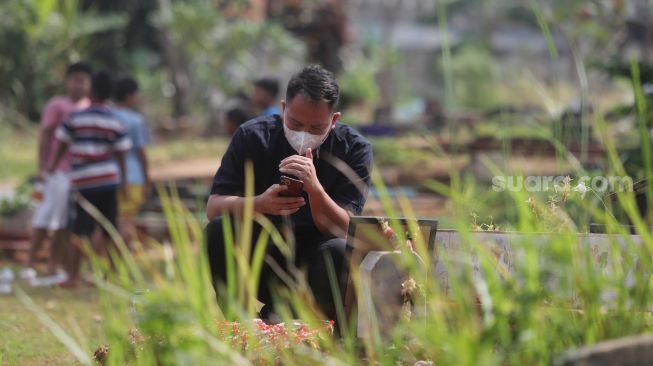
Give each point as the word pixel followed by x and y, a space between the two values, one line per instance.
pixel 325 274
pixel 215 241
pixel 329 260
pixel 215 233
pixel 213 228
pixel 334 249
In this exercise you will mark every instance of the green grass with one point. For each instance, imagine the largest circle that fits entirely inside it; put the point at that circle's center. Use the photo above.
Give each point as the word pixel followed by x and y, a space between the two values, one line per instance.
pixel 27 341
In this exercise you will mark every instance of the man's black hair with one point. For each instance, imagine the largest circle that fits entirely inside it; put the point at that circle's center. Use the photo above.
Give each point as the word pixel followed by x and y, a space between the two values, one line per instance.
pixel 101 85
pixel 269 85
pixel 124 87
pixel 316 83
pixel 79 67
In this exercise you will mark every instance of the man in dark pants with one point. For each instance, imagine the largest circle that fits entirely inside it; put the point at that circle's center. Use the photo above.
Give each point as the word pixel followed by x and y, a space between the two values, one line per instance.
pixel 308 143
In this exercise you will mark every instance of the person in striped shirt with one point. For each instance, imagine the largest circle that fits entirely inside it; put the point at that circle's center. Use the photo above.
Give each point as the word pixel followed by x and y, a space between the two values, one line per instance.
pixel 96 142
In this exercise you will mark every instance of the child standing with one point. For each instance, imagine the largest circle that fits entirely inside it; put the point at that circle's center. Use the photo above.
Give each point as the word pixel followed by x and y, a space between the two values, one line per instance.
pixel 97 142
pixel 127 100
pixel 52 213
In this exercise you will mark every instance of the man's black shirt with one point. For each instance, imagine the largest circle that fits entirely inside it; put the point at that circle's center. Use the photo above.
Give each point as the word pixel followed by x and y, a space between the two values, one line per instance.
pixel 262 141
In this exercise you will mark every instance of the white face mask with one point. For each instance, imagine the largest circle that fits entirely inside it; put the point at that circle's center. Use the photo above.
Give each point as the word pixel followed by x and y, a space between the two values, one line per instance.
pixel 302 140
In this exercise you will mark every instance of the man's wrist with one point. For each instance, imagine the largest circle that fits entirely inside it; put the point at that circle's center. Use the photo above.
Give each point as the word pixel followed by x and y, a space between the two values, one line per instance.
pixel 317 193
pixel 257 204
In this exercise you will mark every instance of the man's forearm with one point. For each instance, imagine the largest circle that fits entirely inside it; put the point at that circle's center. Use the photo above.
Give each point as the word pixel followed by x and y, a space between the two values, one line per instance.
pixel 219 204
pixel 329 218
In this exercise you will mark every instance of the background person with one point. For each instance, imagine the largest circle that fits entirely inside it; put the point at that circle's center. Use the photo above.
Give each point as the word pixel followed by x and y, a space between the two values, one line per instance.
pixel 127 99
pixel 52 212
pixel 264 96
pixel 235 117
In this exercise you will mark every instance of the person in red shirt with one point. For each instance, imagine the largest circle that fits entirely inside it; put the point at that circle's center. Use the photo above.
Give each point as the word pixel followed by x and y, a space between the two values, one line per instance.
pixel 52 213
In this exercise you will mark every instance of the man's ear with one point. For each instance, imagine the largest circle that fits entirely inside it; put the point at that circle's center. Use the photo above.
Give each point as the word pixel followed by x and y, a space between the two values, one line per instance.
pixel 283 106
pixel 334 119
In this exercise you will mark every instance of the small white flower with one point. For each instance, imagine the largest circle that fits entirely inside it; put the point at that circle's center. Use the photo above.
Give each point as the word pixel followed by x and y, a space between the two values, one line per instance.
pixel 582 189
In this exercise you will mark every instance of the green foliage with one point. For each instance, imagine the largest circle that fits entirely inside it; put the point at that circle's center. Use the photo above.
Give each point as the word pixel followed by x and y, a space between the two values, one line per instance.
pixel 20 201
pixel 640 112
pixel 473 76
pixel 592 19
pixel 393 152
pixel 510 128
pixel 617 68
pixel 37 41
pixel 168 313
pixel 358 84
pixel 223 53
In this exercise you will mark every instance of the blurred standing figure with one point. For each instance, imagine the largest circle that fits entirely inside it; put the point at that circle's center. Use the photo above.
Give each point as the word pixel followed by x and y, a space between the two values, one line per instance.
pixel 264 96
pixel 52 212
pixel 235 117
pixel 127 99
pixel 97 142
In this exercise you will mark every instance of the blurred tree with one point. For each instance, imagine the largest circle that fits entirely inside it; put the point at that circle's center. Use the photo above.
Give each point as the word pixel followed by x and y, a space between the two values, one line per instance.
pixel 174 60
pixel 474 73
pixel 205 47
pixel 112 48
pixel 359 90
pixel 37 41
pixel 208 54
pixel 358 84
pixel 591 30
pixel 323 26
